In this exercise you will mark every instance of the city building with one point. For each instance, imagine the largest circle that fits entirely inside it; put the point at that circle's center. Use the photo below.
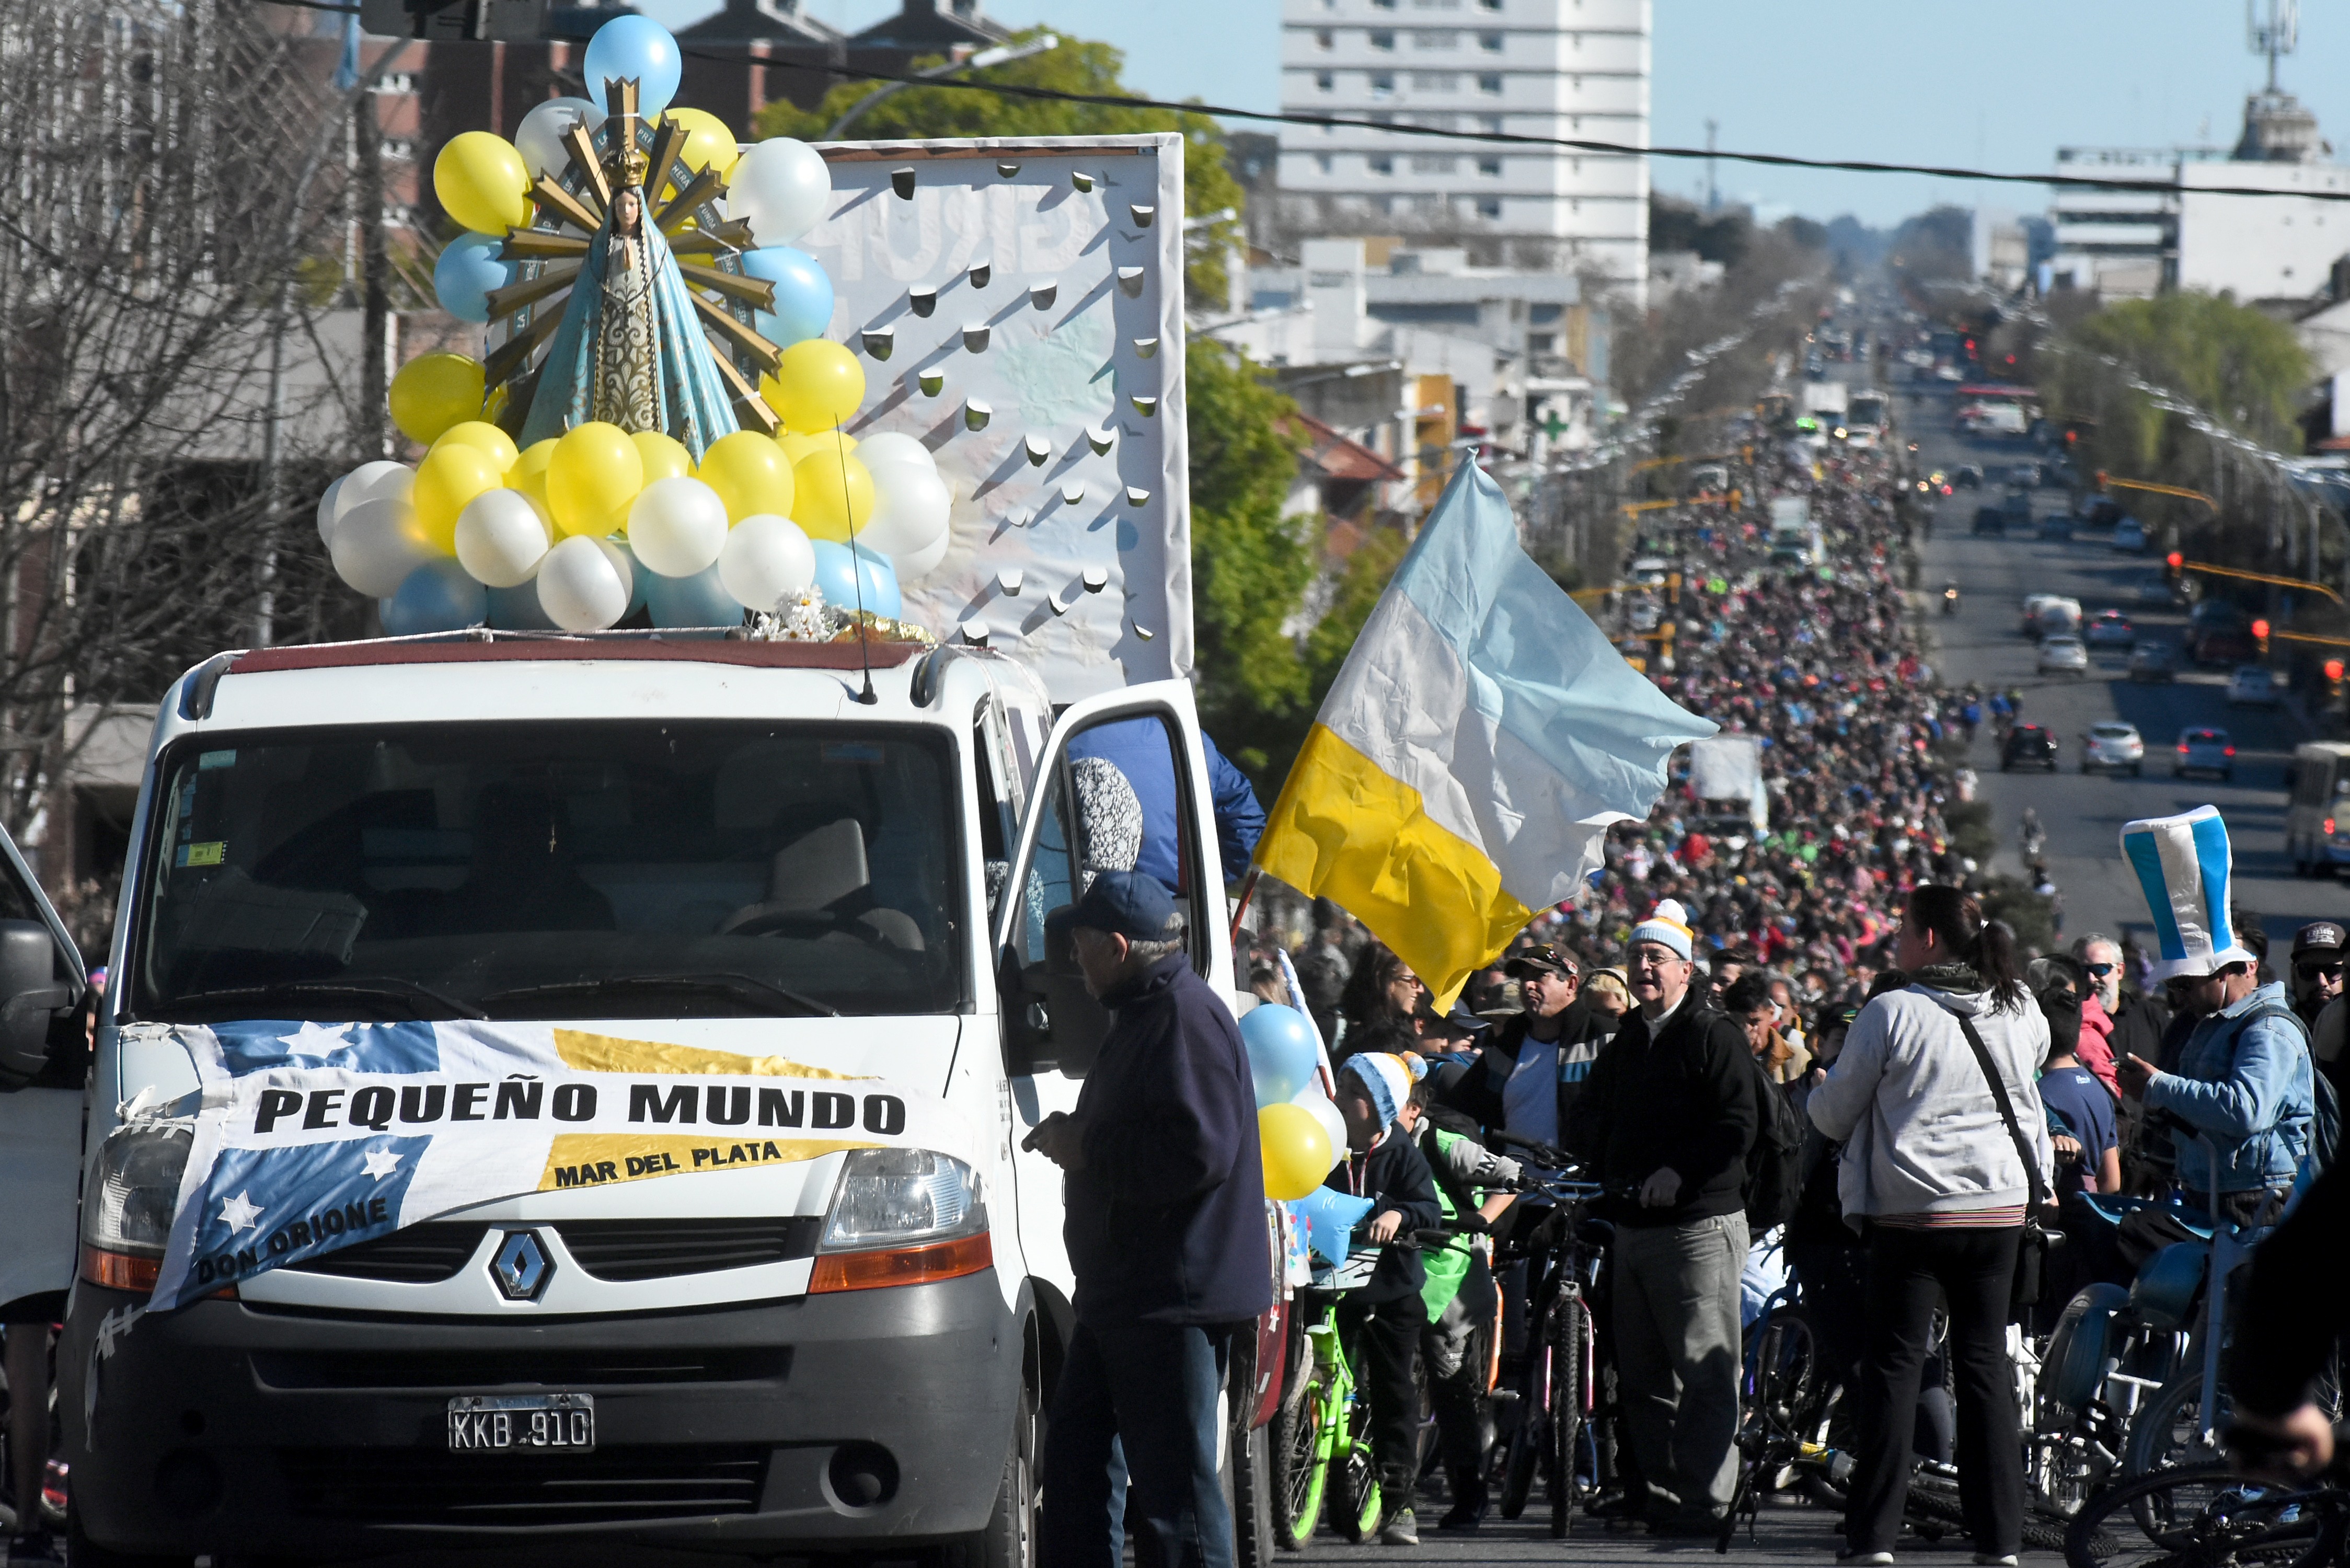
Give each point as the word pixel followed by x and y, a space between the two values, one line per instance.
pixel 1567 69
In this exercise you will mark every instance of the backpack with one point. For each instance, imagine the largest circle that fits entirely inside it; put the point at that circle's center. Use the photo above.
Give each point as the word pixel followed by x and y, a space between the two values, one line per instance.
pixel 1774 1163
pixel 2325 1104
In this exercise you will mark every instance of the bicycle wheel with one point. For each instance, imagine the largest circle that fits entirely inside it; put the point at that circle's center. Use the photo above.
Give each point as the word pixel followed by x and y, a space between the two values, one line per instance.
pixel 1933 1508
pixel 1532 1431
pixel 2168 1430
pixel 2206 1519
pixel 1355 1476
pixel 1570 1352
pixel 1785 1355
pixel 1301 1458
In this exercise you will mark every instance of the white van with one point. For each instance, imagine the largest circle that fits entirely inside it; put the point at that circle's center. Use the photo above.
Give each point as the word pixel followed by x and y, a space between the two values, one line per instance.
pixel 709 846
pixel 2317 817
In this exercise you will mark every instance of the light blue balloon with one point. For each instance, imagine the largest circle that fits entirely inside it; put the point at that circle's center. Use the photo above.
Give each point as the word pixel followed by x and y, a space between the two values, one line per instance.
pixel 835 573
pixel 1282 1052
pixel 467 273
pixel 436 597
pixel 1330 1218
pixel 635 47
pixel 879 582
pixel 803 295
pixel 699 600
pixel 518 609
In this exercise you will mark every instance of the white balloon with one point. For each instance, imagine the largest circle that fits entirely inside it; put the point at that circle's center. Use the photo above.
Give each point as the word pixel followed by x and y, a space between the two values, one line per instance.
pixel 677 527
pixel 585 585
pixel 377 545
pixel 781 188
pixel 891 446
pixel 501 538
pixel 539 137
pixel 1311 1098
pixel 380 480
pixel 909 509
pixel 767 559
pixel 913 568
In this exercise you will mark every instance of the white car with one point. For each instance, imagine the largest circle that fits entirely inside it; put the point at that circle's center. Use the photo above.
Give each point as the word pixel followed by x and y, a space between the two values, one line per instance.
pixel 2115 746
pixel 2064 656
pixel 2253 686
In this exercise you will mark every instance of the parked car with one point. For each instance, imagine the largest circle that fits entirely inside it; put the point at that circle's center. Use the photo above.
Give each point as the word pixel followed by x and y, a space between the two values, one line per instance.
pixel 1991 520
pixel 1967 477
pixel 2204 751
pixel 2253 686
pixel 2064 656
pixel 2115 746
pixel 2110 629
pixel 2153 662
pixel 2028 746
pixel 2129 537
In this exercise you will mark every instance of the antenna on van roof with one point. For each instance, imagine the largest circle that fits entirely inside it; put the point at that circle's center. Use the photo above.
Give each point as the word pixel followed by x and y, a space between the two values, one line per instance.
pixel 856 574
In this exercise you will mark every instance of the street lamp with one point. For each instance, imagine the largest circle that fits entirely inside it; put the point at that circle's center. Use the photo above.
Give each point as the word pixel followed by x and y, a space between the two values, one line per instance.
pixel 1001 53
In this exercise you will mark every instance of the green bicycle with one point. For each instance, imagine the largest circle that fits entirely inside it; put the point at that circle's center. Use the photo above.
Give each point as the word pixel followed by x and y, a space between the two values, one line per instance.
pixel 1322 1433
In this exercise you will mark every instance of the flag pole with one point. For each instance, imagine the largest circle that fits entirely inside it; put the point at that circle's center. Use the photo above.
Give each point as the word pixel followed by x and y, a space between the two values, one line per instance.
pixel 1240 905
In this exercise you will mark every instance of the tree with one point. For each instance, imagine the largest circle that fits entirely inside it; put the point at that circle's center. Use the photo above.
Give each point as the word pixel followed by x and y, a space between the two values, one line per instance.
pixel 1075 66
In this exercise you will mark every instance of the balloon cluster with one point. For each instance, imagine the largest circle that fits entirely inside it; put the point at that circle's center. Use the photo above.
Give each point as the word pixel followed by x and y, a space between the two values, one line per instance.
pixel 580 531
pixel 1301 1135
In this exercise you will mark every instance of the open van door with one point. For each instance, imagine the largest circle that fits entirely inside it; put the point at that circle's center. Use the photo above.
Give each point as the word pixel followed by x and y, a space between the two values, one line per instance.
pixel 1122 785
pixel 44 1061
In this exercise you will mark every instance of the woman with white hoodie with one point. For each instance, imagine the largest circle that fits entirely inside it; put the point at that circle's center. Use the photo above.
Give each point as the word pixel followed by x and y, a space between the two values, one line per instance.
pixel 1933 1177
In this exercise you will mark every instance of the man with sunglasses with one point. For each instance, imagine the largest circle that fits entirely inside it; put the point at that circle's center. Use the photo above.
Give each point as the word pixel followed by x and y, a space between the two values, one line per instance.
pixel 2316 969
pixel 2139 1020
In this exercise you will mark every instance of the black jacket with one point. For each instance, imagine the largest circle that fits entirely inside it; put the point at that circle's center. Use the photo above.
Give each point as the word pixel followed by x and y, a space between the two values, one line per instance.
pixel 1478 1093
pixel 1685 1099
pixel 2139 1023
pixel 2295 1303
pixel 1165 1219
pixel 1393 1176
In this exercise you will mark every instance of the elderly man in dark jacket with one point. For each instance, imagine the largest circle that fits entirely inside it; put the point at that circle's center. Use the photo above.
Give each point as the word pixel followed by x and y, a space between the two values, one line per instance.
pixel 1166 1232
pixel 1667 1116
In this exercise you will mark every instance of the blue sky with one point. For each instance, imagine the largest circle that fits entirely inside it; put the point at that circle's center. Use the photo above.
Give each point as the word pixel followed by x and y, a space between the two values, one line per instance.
pixel 1996 83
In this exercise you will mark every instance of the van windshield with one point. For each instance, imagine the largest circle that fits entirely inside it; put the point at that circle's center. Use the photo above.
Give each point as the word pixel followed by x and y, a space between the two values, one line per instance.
pixel 552 869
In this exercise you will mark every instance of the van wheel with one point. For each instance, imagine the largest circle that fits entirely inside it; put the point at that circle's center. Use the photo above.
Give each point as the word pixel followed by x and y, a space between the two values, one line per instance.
pixel 82 1552
pixel 1010 1539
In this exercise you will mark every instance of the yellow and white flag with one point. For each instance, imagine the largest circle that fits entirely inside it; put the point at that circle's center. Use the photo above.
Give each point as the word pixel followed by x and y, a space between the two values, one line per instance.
pixel 1478 742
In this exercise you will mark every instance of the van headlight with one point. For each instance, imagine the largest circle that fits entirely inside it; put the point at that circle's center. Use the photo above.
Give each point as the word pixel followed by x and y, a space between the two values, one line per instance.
pixel 902 1216
pixel 133 1194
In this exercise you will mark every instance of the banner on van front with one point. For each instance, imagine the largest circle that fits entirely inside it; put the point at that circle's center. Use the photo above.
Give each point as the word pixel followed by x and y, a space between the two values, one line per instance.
pixel 313 1137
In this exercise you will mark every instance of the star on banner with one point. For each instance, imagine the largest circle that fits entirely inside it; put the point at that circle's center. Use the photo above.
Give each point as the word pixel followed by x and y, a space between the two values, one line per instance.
pixel 381 1162
pixel 241 1213
pixel 315 1040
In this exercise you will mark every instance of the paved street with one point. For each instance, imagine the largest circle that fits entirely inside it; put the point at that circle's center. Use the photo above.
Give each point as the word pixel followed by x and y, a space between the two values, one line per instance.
pixel 2084 812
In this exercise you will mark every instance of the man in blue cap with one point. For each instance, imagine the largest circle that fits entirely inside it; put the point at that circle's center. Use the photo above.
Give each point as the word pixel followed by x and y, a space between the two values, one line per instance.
pixel 1165 1234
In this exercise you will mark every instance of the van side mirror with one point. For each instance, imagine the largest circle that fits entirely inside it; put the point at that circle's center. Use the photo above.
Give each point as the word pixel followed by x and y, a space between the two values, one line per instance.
pixel 1049 1020
pixel 31 995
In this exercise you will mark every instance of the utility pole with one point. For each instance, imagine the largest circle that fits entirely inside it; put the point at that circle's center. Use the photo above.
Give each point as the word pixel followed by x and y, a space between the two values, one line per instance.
pixel 1712 189
pixel 375 269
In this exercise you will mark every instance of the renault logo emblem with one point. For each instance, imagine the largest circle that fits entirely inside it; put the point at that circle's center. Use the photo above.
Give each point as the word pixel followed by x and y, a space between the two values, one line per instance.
pixel 522 1267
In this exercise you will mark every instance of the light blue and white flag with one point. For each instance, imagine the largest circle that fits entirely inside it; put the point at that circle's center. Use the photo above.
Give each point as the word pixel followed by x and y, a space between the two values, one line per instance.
pixel 311 1136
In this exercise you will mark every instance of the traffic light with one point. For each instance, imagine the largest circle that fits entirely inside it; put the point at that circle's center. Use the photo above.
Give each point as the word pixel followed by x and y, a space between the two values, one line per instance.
pixel 2172 565
pixel 2260 637
pixel 2334 680
pixel 454 21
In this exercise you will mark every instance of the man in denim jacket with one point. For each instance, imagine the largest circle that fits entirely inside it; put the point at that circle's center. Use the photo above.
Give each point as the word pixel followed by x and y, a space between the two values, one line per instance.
pixel 2244 1080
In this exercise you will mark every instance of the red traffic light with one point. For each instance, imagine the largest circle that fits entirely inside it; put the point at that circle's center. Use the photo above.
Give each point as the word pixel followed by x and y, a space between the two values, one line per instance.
pixel 2334 669
pixel 2174 560
pixel 2259 631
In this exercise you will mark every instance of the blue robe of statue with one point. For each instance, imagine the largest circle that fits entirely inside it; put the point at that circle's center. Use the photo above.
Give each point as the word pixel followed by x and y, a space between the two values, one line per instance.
pixel 631 350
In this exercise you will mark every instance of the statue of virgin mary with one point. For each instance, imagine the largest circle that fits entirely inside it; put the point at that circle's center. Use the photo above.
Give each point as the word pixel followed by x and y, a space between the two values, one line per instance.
pixel 630 351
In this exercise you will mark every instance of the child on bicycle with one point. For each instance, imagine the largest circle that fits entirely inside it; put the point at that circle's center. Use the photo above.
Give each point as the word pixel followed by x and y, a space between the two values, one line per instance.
pixel 1383 1317
pixel 1459 1295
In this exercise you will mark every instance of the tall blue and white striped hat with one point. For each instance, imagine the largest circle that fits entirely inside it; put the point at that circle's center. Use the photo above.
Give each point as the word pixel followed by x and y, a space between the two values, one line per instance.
pixel 2184 866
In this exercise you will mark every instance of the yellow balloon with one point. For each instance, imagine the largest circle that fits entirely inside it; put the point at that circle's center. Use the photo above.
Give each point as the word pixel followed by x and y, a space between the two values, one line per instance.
pixel 1294 1148
pixel 593 473
pixel 796 447
pixel 750 475
pixel 482 182
pixel 817 384
pixel 663 458
pixel 480 434
pixel 834 495
pixel 451 474
pixel 708 143
pixel 434 392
